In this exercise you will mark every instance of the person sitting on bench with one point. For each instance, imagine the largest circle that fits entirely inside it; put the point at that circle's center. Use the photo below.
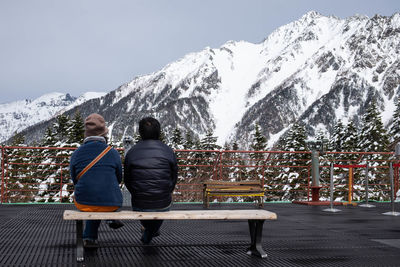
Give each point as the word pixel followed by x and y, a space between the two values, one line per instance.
pixel 96 171
pixel 150 174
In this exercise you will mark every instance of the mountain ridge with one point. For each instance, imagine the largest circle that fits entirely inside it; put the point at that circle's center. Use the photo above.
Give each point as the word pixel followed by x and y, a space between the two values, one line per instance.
pixel 315 70
pixel 22 114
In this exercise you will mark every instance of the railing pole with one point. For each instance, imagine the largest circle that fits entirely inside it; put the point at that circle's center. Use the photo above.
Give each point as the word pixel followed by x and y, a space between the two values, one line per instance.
pixel 331 209
pixel 391 185
pixel 366 205
pixel 392 213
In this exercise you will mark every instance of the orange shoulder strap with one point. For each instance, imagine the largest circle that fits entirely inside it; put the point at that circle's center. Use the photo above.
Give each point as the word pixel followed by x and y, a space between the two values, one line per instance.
pixel 90 165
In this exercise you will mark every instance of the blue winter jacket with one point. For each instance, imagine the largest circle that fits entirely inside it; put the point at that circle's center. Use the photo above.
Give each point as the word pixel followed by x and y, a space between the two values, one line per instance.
pixel 99 186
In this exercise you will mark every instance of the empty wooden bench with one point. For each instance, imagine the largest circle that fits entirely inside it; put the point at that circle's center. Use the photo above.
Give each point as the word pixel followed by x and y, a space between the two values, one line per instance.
pixel 255 219
pixel 234 189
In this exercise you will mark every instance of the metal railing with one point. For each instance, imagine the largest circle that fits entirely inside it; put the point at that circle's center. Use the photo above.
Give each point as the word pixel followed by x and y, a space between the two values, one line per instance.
pixel 41 174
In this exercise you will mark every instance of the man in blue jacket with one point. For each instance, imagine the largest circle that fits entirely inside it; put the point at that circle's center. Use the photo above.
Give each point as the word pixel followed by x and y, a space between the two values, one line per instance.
pixel 150 174
pixel 97 188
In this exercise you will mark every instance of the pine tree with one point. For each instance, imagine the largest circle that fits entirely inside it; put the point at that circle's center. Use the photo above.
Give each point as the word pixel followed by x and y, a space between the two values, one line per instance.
pixel 46 172
pixel 58 173
pixel 163 137
pixel 206 159
pixel 61 127
pixel 188 171
pixel 209 142
pixel 19 177
pixel 188 143
pixel 337 139
pixel 18 139
pixel 373 138
pixel 235 146
pixel 177 140
pixel 296 138
pixel 259 140
pixel 350 138
pixel 259 144
pixel 349 143
pixel 76 130
pixel 394 130
pixel 295 175
pixel 226 146
pixel 49 138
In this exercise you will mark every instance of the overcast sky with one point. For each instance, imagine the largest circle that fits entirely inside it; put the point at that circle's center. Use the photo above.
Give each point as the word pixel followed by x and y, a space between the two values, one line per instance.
pixel 77 46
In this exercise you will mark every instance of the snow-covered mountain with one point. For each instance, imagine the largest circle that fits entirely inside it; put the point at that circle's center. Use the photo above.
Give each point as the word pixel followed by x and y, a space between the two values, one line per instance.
pixel 18 115
pixel 317 69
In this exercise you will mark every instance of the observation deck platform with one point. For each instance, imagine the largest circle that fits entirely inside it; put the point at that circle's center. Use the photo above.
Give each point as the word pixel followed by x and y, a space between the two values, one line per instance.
pixel 36 235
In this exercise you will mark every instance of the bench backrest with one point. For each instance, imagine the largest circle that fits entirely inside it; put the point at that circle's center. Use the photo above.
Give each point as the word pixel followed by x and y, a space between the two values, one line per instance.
pixel 246 183
pixel 249 185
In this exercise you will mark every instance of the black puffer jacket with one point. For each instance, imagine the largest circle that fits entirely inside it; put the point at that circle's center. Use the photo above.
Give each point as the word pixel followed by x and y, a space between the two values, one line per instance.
pixel 150 174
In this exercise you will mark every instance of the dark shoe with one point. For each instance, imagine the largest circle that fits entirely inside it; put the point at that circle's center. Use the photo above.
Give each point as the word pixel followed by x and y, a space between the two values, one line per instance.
pixel 88 243
pixel 115 224
pixel 155 234
pixel 146 238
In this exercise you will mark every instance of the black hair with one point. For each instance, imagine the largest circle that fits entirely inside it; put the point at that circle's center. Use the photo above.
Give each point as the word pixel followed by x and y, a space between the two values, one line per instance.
pixel 149 128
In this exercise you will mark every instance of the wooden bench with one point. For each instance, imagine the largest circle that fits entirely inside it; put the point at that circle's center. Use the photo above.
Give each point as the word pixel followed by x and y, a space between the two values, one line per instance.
pixel 255 219
pixel 234 189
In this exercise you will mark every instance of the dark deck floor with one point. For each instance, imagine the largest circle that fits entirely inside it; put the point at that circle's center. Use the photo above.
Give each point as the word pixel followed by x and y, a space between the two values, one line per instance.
pixel 36 235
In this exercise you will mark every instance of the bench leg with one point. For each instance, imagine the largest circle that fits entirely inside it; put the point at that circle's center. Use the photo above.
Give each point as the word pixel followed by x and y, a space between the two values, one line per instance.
pixel 255 227
pixel 79 241
pixel 261 204
pixel 204 199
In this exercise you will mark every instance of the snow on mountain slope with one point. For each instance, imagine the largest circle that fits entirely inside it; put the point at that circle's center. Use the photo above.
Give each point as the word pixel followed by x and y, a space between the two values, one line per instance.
pixel 322 53
pixel 238 65
pixel 18 115
pixel 315 70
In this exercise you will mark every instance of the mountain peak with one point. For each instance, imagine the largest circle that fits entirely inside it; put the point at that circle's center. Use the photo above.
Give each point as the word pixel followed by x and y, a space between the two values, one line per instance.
pixel 311 15
pixel 395 20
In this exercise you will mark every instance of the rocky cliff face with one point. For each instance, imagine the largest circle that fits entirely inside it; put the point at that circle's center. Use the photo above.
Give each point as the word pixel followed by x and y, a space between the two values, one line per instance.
pixel 316 70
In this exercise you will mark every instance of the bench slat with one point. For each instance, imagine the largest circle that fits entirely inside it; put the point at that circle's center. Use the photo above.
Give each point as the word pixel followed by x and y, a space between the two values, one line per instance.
pixel 251 189
pixel 208 183
pixel 173 215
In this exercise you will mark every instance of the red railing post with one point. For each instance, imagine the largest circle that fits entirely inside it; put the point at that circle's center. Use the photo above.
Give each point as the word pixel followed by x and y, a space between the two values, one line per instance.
pixel 396 181
pixel 308 185
pixel 263 175
pixel 220 165
pixel 61 184
pixel 2 174
pixel 5 175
